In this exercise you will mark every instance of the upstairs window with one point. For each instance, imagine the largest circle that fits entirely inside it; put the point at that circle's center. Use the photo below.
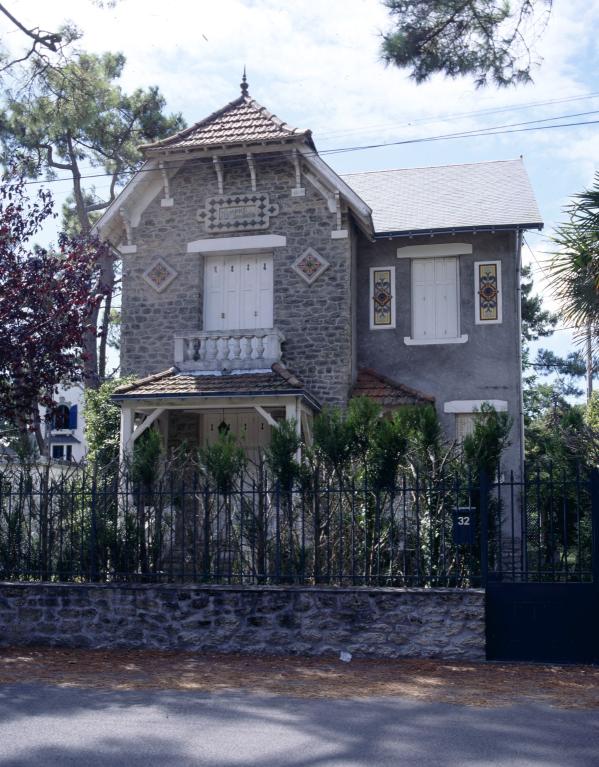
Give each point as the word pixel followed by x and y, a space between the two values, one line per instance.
pixel 65 417
pixel 435 304
pixel 238 292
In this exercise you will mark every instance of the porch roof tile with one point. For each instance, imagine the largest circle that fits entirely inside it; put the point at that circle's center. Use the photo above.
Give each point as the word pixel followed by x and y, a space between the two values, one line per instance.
pixel 385 391
pixel 174 383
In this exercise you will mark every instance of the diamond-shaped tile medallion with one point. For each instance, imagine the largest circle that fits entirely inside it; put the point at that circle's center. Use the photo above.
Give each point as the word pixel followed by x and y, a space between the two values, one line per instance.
pixel 310 265
pixel 160 275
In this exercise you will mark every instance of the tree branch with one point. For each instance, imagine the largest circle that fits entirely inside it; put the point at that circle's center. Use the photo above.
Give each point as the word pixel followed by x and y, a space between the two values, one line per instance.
pixel 51 162
pixel 50 40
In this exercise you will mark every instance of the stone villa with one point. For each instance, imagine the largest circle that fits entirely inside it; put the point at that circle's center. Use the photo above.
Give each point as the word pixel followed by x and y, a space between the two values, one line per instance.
pixel 258 284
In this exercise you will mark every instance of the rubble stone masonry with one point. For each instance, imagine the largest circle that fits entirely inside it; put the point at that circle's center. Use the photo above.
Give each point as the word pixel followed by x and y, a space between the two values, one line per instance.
pixel 377 622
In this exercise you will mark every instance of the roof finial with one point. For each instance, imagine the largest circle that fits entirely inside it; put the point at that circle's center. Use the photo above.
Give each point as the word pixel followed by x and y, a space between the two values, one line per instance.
pixel 245 88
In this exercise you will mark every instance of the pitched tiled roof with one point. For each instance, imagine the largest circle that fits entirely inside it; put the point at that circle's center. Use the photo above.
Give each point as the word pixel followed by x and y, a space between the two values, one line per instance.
pixel 486 194
pixel 386 392
pixel 174 383
pixel 241 122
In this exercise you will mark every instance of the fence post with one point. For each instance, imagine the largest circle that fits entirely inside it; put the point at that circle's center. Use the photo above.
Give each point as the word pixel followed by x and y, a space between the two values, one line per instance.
pixel 93 538
pixel 594 488
pixel 484 526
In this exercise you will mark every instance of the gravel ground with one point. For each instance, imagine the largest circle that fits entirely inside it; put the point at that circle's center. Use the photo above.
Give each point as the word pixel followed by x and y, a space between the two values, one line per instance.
pixel 458 682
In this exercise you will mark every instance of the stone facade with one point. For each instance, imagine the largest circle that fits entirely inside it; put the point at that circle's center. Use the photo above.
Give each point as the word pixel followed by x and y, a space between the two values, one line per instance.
pixel 379 623
pixel 316 319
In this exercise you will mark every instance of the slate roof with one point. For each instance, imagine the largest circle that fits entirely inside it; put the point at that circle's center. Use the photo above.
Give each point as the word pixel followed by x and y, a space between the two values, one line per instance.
pixel 175 383
pixel 385 391
pixel 241 122
pixel 447 197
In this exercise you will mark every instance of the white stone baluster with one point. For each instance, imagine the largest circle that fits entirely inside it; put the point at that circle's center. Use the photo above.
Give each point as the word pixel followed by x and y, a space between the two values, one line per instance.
pixel 234 348
pixel 222 348
pixel 245 348
pixel 210 349
pixel 257 348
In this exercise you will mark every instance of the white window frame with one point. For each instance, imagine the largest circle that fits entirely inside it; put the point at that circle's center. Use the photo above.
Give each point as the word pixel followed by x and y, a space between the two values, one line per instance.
pixel 435 251
pixel 392 325
pixel 477 319
pixel 471 407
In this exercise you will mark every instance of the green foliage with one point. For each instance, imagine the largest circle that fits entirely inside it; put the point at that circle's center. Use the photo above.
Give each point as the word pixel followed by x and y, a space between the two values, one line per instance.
pixel 575 263
pixel 387 448
pixel 103 423
pixel 280 456
pixel 491 40
pixel 332 440
pixel 223 461
pixel 555 434
pixel 484 447
pixel 536 321
pixel 424 434
pixel 146 457
pixel 78 112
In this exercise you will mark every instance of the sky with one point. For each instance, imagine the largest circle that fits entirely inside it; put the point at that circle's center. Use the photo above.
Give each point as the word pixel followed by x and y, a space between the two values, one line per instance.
pixel 317 65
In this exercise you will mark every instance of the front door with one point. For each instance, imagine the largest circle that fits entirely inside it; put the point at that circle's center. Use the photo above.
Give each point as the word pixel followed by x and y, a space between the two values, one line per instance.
pixel 238 292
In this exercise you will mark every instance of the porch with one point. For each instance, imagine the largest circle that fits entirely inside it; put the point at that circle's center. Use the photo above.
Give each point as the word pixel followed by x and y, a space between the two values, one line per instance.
pixel 195 407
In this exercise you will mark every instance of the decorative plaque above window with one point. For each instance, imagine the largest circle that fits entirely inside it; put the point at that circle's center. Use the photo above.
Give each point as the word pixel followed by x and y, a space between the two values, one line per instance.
pixel 237 212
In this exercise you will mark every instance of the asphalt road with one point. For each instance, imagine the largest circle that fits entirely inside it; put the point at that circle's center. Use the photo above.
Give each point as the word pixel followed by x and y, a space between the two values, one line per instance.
pixel 61 727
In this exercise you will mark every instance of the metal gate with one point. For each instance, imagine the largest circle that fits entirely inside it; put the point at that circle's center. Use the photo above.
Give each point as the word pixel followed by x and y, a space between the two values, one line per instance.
pixel 540 557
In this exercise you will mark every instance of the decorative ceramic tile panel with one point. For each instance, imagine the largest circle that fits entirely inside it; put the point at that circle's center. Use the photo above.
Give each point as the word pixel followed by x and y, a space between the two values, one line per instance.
pixel 488 281
pixel 382 304
pixel 310 265
pixel 237 212
pixel 160 275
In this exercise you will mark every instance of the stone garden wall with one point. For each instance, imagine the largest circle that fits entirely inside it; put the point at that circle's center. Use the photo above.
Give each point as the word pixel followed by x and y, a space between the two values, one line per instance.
pixel 382 623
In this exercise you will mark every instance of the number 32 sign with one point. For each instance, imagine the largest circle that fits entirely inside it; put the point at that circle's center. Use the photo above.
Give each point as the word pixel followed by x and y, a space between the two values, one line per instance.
pixel 464 525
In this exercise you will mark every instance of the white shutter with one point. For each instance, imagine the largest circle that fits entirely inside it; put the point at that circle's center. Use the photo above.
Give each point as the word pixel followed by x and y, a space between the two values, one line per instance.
pixel 248 289
pixel 423 297
pixel 434 298
pixel 232 290
pixel 238 292
pixel 464 425
pixel 446 289
pixel 264 297
pixel 214 294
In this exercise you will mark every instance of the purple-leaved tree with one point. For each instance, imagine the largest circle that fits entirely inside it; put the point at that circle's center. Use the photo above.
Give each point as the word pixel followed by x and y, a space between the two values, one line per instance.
pixel 47 300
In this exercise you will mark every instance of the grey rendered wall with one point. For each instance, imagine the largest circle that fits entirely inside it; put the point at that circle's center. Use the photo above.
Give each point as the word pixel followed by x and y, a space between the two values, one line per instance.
pixel 316 320
pixel 486 367
pixel 380 623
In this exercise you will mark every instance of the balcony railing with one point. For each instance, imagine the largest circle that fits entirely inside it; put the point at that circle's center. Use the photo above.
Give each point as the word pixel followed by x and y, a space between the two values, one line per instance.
pixel 228 350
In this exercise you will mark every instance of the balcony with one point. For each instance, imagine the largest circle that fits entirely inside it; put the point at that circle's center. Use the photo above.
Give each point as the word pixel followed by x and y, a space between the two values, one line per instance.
pixel 228 349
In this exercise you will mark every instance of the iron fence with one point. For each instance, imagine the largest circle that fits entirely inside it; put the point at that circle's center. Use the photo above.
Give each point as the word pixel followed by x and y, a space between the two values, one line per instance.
pixel 93 526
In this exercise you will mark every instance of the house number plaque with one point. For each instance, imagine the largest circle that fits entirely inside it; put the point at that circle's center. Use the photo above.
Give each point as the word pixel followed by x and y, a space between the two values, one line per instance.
pixel 464 525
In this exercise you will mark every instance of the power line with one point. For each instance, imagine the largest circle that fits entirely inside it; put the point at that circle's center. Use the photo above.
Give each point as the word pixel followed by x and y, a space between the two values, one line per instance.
pixel 460 115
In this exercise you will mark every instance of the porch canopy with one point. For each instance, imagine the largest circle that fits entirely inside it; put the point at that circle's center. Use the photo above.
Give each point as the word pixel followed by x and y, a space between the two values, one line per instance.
pixel 194 403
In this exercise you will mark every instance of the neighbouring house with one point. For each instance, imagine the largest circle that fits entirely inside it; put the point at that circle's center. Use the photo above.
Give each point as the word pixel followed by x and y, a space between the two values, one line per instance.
pixel 258 284
pixel 64 431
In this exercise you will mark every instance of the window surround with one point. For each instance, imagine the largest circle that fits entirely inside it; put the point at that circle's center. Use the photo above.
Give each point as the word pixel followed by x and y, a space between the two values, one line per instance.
pixel 392 324
pixel 477 318
pixel 226 245
pixel 473 405
pixel 435 251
